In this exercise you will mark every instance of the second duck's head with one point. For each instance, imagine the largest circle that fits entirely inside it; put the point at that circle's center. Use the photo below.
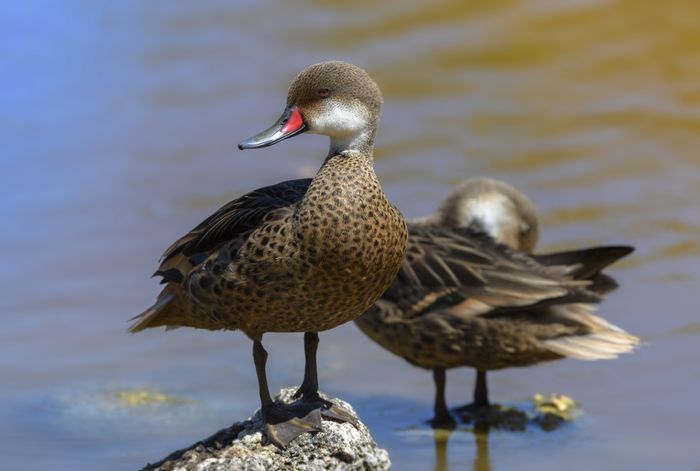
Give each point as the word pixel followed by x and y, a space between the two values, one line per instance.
pixel 493 207
pixel 335 99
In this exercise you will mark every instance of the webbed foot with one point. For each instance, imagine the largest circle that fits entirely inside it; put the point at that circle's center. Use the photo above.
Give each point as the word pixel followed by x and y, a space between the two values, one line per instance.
pixel 285 423
pixel 445 422
pixel 474 408
pixel 327 409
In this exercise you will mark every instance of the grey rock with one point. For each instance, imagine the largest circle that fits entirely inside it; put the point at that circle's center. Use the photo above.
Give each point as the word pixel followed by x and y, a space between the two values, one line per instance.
pixel 339 446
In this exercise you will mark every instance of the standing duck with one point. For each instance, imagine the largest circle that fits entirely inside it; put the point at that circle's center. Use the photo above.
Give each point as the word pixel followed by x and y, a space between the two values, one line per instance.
pixel 300 256
pixel 470 294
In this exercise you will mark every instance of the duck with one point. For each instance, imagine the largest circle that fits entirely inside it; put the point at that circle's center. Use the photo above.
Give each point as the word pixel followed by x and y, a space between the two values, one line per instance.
pixel 303 255
pixel 471 293
pixel 500 210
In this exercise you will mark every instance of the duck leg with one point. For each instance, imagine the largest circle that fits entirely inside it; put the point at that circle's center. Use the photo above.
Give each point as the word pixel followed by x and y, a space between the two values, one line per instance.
pixel 481 392
pixel 282 423
pixel 478 410
pixel 443 418
pixel 308 391
pixel 310 384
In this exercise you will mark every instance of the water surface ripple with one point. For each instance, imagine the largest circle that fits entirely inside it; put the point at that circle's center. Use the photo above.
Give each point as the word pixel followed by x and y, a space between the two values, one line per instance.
pixel 119 125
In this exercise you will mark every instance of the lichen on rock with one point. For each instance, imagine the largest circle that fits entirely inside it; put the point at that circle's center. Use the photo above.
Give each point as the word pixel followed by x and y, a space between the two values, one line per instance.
pixel 554 410
pixel 242 446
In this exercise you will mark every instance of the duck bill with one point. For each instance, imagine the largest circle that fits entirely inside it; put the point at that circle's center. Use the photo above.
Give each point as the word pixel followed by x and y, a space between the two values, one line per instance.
pixel 289 124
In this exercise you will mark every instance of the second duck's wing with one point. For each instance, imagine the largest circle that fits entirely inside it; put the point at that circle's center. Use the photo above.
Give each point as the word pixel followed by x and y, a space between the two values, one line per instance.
pixel 587 264
pixel 466 272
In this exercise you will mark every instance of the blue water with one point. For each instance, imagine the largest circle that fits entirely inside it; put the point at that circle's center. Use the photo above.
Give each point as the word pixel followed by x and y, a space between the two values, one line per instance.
pixel 118 127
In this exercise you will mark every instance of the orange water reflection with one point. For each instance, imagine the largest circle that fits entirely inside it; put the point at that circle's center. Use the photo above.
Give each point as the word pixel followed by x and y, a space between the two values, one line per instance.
pixel 119 124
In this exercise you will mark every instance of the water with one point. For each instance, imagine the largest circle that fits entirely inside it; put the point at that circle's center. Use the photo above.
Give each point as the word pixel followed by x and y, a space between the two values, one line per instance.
pixel 118 126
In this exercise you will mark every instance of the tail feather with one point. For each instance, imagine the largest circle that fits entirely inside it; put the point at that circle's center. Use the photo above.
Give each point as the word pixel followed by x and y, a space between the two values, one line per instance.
pixel 149 317
pixel 595 346
pixel 590 261
pixel 598 339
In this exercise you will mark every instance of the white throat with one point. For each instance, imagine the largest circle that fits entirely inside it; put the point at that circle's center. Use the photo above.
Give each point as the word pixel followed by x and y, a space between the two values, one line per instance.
pixel 345 124
pixel 352 142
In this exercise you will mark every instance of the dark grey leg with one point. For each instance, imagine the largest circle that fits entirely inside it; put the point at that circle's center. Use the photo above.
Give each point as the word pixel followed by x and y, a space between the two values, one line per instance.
pixel 481 393
pixel 282 423
pixel 260 359
pixel 443 418
pixel 309 387
pixel 308 391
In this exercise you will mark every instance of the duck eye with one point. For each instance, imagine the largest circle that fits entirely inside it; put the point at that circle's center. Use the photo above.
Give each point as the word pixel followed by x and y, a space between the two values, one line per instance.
pixel 323 92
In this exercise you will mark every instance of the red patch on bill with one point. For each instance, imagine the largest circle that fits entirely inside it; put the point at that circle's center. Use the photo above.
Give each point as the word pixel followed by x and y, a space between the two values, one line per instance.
pixel 294 121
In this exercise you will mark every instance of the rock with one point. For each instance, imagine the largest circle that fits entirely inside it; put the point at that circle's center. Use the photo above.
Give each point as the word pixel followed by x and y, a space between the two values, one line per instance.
pixel 554 410
pixel 340 446
pixel 547 412
pixel 496 416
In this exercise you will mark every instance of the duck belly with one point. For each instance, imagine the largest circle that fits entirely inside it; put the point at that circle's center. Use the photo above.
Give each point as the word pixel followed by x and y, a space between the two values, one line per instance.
pixel 432 341
pixel 303 290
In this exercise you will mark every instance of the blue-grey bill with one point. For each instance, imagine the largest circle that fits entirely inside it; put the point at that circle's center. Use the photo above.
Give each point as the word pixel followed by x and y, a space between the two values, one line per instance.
pixel 288 125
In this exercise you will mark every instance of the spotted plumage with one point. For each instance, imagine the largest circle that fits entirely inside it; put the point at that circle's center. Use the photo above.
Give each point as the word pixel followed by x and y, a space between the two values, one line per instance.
pixel 299 256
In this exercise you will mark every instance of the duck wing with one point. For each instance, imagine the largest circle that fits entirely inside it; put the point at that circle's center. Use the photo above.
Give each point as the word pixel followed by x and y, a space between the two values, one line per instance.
pixel 589 261
pixel 229 222
pixel 467 273
pixel 587 264
pixel 232 221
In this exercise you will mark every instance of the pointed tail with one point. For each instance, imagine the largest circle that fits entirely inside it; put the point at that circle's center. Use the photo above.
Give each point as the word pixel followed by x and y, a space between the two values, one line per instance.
pixel 150 317
pixel 591 261
pixel 588 264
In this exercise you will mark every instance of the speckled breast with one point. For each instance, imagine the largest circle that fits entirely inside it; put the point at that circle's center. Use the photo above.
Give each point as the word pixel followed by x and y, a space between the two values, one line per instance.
pixel 340 250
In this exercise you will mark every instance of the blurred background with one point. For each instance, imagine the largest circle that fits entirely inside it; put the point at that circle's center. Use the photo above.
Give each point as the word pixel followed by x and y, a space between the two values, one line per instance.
pixel 118 130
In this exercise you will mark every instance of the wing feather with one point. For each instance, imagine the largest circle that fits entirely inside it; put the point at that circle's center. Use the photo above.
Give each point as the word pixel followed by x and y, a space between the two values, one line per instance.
pixel 468 273
pixel 231 221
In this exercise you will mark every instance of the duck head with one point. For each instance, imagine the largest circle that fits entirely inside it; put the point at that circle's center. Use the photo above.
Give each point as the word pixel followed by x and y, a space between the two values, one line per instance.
pixel 493 207
pixel 335 99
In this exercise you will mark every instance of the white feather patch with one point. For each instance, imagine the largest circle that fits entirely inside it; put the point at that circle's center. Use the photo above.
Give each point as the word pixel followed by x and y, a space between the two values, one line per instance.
pixel 494 213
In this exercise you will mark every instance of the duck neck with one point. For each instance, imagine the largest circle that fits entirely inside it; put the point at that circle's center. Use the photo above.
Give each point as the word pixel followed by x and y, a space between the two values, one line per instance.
pixel 342 196
pixel 361 141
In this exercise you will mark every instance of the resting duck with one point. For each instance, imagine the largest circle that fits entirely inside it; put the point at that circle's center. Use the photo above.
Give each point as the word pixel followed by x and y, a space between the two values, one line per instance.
pixel 469 294
pixel 300 256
